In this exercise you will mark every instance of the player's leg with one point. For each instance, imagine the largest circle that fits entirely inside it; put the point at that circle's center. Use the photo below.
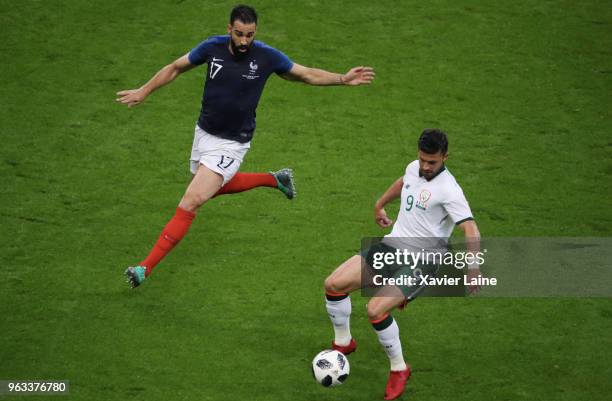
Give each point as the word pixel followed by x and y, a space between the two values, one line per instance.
pixel 282 180
pixel 229 154
pixel 379 308
pixel 202 187
pixel 213 162
pixel 344 280
pixel 387 330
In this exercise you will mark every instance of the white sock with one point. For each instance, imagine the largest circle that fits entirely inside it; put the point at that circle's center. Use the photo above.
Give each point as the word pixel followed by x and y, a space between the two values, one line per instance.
pixel 340 314
pixel 390 341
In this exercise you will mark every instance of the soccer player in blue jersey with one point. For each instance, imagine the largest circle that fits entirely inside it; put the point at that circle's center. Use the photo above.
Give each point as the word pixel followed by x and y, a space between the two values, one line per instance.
pixel 238 67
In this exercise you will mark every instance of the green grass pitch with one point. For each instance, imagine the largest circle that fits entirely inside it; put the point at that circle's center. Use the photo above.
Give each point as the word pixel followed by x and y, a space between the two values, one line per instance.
pixel 236 312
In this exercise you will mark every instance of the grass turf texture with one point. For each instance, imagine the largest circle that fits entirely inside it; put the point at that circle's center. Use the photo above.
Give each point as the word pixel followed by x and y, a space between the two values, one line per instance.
pixel 236 311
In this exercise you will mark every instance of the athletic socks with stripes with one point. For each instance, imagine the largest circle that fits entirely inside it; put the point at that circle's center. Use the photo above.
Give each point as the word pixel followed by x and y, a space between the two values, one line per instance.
pixel 339 311
pixel 388 336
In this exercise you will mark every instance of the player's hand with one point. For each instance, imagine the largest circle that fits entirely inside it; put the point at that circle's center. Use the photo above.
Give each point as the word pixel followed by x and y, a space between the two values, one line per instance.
pixel 359 76
pixel 473 274
pixel 381 218
pixel 131 97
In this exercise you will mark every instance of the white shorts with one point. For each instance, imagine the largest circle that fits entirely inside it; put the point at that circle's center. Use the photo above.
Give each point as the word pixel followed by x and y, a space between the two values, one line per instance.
pixel 222 156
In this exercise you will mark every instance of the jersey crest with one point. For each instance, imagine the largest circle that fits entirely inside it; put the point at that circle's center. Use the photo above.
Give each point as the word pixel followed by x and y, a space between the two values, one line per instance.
pixel 424 196
pixel 252 71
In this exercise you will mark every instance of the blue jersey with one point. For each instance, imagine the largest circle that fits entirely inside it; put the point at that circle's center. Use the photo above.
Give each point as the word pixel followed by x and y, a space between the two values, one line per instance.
pixel 234 85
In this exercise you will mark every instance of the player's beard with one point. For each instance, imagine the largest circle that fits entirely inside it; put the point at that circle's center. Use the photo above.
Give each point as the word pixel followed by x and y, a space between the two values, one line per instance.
pixel 427 175
pixel 236 50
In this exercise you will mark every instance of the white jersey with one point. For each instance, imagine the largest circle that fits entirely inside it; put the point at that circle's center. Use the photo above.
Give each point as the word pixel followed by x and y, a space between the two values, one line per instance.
pixel 430 209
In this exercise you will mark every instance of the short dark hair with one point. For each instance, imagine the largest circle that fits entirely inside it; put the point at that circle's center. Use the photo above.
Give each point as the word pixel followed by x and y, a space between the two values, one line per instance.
pixel 246 14
pixel 432 141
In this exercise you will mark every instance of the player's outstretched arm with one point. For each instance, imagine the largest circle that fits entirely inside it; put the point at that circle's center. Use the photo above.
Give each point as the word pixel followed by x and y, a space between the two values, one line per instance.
pixel 133 97
pixel 472 239
pixel 393 192
pixel 314 76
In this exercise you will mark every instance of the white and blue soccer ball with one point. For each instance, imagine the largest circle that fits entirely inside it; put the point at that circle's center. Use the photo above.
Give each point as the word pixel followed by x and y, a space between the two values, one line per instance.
pixel 330 368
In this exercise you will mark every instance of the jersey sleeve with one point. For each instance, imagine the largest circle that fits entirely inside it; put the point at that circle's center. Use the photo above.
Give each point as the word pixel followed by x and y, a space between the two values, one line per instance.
pixel 280 62
pixel 457 206
pixel 411 166
pixel 199 54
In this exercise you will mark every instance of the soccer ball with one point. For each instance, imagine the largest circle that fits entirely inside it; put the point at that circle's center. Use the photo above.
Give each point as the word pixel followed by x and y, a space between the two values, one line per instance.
pixel 330 368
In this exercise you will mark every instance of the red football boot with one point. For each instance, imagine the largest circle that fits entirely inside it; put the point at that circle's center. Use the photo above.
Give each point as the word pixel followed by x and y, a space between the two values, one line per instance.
pixel 345 349
pixel 396 383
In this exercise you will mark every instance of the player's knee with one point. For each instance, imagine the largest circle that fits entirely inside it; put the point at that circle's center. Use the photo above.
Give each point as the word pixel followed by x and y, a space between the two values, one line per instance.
pixel 192 201
pixel 376 310
pixel 332 285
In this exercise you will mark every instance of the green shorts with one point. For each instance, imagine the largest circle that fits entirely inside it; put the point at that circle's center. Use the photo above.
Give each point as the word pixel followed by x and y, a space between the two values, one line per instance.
pixel 378 273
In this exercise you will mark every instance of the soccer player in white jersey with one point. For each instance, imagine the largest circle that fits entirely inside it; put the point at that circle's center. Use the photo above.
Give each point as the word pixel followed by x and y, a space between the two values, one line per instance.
pixel 432 204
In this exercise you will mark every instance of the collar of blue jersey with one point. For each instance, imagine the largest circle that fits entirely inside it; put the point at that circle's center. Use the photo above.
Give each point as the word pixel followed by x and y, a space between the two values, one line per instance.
pixel 437 174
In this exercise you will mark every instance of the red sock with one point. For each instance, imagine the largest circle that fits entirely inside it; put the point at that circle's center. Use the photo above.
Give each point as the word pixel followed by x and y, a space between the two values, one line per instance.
pixel 245 181
pixel 174 231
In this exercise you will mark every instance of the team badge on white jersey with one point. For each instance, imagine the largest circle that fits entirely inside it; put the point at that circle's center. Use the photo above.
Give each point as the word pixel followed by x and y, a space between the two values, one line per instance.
pixel 423 198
